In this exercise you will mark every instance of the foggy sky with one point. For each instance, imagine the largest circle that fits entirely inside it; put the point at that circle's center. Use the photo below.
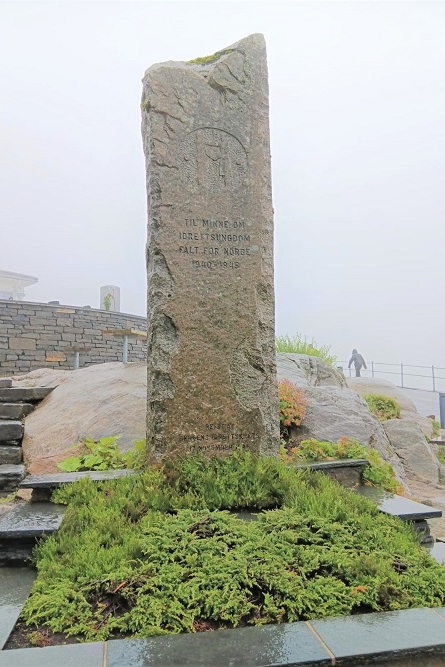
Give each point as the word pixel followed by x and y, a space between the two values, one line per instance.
pixel 357 102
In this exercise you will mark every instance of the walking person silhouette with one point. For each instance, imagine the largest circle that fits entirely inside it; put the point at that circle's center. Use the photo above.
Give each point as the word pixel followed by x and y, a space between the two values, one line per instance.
pixel 358 362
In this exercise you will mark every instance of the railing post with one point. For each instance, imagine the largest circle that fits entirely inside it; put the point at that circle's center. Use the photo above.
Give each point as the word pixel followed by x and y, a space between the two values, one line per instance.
pixel 434 378
pixel 372 368
pixel 401 373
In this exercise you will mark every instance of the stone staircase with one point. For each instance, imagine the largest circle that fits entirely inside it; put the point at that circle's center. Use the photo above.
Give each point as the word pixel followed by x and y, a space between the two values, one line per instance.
pixel 22 526
pixel 15 404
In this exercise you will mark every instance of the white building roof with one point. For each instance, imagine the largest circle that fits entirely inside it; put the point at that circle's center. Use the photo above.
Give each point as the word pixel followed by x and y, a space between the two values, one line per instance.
pixel 20 278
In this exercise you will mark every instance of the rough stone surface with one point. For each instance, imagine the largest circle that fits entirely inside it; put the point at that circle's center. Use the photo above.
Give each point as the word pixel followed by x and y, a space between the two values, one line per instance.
pixel 383 387
pixel 211 348
pixel 7 382
pixel 333 410
pixel 101 400
pixel 306 371
pixel 411 446
pixel 407 434
pixel 10 454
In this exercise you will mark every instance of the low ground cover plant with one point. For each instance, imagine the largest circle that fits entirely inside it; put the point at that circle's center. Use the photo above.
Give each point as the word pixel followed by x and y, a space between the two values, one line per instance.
pixel 156 553
pixel 383 407
pixel 378 472
pixel 299 344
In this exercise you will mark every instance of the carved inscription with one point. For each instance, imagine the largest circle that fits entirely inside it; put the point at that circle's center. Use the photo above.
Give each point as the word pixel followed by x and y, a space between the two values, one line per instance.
pixel 214 244
pixel 217 437
pixel 213 160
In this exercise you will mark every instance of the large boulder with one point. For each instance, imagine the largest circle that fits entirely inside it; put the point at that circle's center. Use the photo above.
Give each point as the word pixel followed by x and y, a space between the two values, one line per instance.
pixel 101 400
pixel 306 371
pixel 412 448
pixel 407 435
pixel 408 410
pixel 333 410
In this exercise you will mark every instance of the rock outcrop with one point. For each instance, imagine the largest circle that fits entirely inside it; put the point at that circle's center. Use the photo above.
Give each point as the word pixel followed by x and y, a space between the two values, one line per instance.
pixel 334 411
pixel 407 435
pixel 101 400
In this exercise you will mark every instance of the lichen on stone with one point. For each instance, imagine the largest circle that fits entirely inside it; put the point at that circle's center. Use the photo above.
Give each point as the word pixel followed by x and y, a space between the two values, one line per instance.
pixel 206 60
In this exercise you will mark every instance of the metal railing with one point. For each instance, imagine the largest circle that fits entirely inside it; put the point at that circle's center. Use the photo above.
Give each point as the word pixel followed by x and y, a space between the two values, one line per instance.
pixel 433 380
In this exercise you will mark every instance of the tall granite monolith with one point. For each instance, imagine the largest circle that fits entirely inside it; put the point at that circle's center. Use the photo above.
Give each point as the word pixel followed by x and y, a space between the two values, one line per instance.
pixel 211 340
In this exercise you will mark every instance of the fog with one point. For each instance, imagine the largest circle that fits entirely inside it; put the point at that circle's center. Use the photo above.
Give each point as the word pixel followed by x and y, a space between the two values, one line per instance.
pixel 357 114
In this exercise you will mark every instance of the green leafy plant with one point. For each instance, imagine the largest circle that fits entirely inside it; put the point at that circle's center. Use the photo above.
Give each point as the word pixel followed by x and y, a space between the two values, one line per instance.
pixel 383 407
pixel 441 454
pixel 8 499
pixel 436 427
pixel 153 554
pixel 108 300
pixel 104 454
pixel 299 344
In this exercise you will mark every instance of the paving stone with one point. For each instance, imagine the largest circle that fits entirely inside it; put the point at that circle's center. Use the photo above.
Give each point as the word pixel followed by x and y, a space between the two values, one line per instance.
pixel 26 520
pixel 408 510
pixel 6 382
pixel 10 454
pixel 23 525
pixel 15 410
pixel 15 585
pixel 52 481
pixel 70 655
pixel 16 394
pixel 11 475
pixel 377 636
pixel 10 430
pixel 285 645
pixel 347 472
pixel 437 551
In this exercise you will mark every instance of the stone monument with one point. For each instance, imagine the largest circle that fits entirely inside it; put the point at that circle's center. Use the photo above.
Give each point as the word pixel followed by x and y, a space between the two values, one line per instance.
pixel 211 339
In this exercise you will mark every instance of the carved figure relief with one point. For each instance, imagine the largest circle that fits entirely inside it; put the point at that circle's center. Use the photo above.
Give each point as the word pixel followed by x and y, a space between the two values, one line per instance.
pixel 212 159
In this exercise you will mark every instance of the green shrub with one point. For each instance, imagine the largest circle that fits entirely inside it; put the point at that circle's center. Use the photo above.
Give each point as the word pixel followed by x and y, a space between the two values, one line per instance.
pixel 299 344
pixel 378 472
pixel 154 554
pixel 293 404
pixel 383 407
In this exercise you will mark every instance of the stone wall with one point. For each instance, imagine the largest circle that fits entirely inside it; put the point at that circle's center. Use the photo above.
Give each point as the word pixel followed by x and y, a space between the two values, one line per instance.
pixel 36 335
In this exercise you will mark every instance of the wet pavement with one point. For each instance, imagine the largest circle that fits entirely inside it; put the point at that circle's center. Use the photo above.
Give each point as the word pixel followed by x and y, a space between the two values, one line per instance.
pixel 15 586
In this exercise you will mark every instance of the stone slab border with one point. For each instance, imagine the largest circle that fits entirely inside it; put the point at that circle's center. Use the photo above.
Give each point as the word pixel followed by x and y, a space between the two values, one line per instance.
pixel 400 638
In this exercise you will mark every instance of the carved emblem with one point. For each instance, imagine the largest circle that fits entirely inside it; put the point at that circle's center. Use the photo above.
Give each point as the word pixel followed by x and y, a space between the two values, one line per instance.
pixel 213 160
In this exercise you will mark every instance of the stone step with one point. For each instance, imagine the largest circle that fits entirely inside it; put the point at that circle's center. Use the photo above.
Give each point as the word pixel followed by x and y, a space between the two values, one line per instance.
pixel 43 485
pixel 404 508
pixel 11 476
pixel 10 430
pixel 347 472
pixel 5 383
pixel 11 454
pixel 15 410
pixel 25 395
pixel 15 586
pixel 23 525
